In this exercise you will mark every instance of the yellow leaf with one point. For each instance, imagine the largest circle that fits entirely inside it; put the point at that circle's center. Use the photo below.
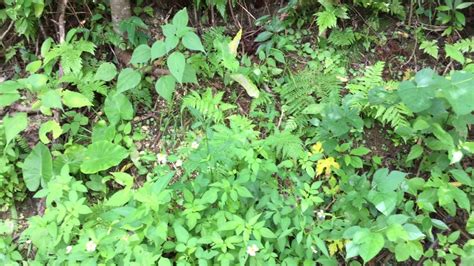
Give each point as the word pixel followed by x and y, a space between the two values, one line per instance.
pixel 234 44
pixel 326 165
pixel 317 147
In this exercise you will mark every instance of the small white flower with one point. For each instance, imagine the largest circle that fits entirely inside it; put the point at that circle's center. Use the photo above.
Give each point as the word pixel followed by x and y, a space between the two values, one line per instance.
pixel 252 250
pixel 314 250
pixel 179 163
pixel 90 246
pixel 68 249
pixel 195 145
pixel 321 215
pixel 161 158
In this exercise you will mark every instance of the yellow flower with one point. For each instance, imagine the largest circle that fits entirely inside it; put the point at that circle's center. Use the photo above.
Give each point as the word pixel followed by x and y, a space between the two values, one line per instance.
pixel 326 165
pixel 317 147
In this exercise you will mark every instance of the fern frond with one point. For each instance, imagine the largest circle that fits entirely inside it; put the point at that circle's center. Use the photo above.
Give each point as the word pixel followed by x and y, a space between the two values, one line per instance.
pixel 285 144
pixel 342 37
pixel 206 106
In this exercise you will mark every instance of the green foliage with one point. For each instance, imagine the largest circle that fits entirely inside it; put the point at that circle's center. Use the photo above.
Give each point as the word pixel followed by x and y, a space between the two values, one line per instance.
pixel 24 14
pixel 263 167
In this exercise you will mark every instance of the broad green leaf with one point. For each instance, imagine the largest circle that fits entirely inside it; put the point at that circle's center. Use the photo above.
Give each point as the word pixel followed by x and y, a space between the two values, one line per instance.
pixel 128 79
pixel 9 92
pixel 395 232
pixel 385 182
pixel 413 232
pixel 462 177
pixel 454 53
pixel 165 87
pixel 181 233
pixel 158 49
pixel 101 156
pixel 13 125
pixel 385 202
pixel 470 224
pixel 117 107
pixel 442 135
pixel 74 99
pixel 162 182
pixel 51 99
pixel 141 54
pixel 461 95
pixel 33 66
pixel 164 262
pixel 370 244
pixel 38 167
pixel 106 72
pixel 263 36
pixel 267 233
pixel 119 198
pixel 248 85
pixel 171 43
pixel 192 42
pixel 360 151
pixel 123 179
pixel 50 126
pixel 180 19
pixel 415 152
pixel 416 98
pixel 189 74
pixel 464 5
pixel 176 63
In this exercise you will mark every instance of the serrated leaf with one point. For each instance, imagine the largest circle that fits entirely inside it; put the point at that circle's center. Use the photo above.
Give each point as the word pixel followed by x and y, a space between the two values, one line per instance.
pixel 38 167
pixel 247 84
pixel 176 64
pixel 430 47
pixel 454 53
pixel 326 19
pixel 101 156
pixel 128 79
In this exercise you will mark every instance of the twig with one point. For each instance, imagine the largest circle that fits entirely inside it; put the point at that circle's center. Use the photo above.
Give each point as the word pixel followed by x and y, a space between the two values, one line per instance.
pixel 447 67
pixel 6 31
pixel 413 54
pixel 246 11
pixel 232 14
pixel 280 119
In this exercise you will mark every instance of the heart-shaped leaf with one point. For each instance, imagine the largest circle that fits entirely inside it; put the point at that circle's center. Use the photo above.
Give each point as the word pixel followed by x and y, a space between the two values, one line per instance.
pixel 101 156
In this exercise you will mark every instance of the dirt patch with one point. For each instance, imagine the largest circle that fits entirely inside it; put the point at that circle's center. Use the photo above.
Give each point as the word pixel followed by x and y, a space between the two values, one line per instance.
pixel 378 141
